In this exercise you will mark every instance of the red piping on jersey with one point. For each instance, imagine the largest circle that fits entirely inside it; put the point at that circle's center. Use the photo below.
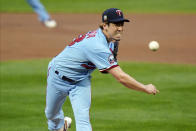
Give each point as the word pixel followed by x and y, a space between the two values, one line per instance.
pixel 111 50
pixel 105 70
pixel 87 66
pixel 48 72
pixel 91 64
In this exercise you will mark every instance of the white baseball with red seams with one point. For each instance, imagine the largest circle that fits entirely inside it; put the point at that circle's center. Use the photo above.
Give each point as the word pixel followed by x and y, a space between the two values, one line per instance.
pixel 153 45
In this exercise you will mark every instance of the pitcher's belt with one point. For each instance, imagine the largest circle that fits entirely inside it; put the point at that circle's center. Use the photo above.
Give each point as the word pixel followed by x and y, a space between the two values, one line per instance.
pixel 65 78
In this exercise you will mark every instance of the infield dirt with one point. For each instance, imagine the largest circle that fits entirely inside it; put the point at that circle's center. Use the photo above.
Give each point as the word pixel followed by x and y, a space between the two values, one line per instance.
pixel 24 37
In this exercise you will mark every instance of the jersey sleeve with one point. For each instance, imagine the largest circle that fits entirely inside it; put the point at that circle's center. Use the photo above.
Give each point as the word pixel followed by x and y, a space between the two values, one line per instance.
pixel 102 58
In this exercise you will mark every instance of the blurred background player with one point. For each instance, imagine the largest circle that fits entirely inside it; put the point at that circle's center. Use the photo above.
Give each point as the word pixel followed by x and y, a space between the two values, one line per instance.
pixel 43 15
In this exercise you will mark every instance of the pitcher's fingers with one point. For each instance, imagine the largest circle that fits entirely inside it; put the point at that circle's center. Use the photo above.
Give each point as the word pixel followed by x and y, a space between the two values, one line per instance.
pixel 158 91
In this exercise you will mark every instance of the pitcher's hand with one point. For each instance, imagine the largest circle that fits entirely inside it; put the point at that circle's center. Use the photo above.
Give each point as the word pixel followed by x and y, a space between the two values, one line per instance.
pixel 151 89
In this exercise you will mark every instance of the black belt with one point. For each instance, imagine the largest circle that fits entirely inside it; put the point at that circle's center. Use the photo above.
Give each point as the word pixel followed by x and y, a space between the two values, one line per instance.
pixel 65 78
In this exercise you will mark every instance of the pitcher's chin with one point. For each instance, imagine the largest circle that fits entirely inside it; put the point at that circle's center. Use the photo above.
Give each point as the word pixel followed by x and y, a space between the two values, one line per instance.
pixel 117 38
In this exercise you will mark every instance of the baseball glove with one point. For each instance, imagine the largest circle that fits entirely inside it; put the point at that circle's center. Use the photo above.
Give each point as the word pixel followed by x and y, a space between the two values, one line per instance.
pixel 115 51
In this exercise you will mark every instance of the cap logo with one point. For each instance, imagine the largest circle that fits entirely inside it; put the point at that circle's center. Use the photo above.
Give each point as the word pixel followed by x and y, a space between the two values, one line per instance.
pixel 119 12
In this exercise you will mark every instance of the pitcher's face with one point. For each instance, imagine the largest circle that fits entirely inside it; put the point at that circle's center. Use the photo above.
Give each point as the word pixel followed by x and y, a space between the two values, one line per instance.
pixel 114 31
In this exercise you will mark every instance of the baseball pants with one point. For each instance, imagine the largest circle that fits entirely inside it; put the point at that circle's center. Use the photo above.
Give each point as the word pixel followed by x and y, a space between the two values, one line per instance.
pixel 39 9
pixel 80 97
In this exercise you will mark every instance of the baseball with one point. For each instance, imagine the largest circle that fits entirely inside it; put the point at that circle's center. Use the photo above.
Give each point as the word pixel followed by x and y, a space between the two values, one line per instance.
pixel 153 45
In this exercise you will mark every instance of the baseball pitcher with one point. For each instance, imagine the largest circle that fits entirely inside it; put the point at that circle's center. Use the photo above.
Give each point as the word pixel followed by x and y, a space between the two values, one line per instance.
pixel 69 72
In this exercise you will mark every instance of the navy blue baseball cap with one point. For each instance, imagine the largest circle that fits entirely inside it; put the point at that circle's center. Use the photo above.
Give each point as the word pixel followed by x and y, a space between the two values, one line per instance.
pixel 113 15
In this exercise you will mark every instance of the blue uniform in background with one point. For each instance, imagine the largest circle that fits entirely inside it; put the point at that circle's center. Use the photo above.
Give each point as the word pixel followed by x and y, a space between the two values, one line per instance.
pixel 39 9
pixel 69 75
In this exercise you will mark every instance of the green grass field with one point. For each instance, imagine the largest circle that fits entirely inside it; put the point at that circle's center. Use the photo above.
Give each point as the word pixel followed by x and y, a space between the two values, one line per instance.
pixel 93 6
pixel 114 107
